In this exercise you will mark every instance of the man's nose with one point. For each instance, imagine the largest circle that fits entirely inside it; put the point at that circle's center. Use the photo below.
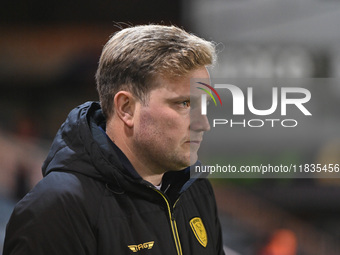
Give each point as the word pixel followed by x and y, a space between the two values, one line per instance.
pixel 199 122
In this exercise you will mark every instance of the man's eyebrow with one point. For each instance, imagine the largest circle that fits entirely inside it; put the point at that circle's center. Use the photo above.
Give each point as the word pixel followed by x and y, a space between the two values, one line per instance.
pixel 180 98
pixel 198 97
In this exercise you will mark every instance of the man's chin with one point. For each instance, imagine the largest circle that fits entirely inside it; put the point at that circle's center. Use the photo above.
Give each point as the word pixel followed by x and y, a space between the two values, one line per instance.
pixel 193 158
pixel 185 162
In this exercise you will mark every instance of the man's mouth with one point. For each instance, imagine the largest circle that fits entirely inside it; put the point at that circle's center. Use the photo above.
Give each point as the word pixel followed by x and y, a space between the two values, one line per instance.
pixel 195 141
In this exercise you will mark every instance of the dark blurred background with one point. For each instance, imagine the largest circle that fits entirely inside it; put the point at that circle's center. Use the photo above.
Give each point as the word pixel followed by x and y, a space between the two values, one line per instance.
pixel 48 57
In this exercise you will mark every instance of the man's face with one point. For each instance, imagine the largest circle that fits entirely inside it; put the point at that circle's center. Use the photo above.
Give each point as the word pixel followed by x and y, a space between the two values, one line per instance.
pixel 168 130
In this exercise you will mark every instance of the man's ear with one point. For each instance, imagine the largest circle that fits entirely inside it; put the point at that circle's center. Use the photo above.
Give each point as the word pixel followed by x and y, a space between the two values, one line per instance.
pixel 124 106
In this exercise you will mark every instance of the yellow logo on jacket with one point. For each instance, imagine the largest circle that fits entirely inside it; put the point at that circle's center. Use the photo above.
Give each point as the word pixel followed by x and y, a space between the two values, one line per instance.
pixel 141 246
pixel 198 228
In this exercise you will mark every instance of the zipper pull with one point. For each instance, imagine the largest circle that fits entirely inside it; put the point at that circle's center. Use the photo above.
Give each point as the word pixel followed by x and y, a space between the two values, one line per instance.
pixel 167 188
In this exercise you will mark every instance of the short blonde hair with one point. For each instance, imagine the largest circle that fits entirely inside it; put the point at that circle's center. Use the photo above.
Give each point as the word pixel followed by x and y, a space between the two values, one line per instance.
pixel 134 56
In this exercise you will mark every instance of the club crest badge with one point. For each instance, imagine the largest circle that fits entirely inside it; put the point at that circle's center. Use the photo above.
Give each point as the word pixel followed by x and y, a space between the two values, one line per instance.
pixel 200 233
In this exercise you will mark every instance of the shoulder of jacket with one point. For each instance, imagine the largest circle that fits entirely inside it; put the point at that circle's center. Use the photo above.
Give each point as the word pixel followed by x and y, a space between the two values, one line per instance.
pixel 63 191
pixel 201 188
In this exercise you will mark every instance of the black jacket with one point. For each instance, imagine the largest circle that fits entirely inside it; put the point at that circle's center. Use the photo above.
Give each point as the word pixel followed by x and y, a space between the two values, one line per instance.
pixel 92 201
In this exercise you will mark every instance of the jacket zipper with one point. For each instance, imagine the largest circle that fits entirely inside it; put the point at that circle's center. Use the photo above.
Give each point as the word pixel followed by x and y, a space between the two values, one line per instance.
pixel 173 224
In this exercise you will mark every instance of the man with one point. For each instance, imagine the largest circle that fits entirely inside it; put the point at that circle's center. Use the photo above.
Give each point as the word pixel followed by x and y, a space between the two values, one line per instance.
pixel 116 180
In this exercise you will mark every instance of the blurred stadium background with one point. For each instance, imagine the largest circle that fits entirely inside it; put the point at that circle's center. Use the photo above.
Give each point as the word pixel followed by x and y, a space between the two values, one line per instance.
pixel 48 57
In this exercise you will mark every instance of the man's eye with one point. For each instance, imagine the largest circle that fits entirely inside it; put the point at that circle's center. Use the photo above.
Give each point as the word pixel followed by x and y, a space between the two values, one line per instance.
pixel 185 104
